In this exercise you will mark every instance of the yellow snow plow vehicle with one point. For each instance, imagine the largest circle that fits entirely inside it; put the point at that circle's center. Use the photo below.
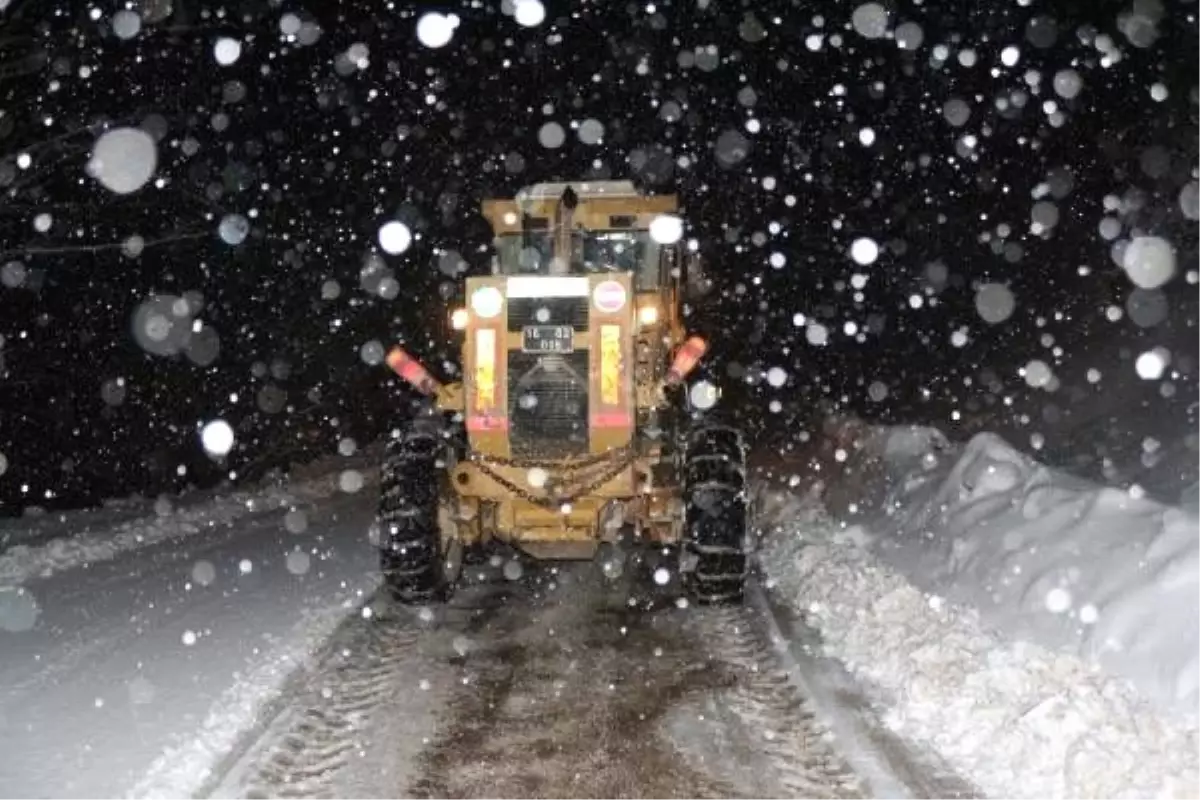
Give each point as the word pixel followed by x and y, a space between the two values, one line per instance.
pixel 572 425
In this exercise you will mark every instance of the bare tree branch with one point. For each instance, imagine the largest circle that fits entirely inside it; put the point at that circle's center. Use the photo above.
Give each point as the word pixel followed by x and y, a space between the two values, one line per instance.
pixel 21 66
pixel 93 247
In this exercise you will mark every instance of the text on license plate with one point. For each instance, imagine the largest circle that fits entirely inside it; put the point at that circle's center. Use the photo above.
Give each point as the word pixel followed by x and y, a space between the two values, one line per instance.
pixel 548 339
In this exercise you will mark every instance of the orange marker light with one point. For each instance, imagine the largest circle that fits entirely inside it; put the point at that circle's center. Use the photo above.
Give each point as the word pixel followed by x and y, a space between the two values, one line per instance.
pixel 411 370
pixel 689 355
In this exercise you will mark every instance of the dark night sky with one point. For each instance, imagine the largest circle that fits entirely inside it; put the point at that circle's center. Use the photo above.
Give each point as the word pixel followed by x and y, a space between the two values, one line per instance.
pixel 318 153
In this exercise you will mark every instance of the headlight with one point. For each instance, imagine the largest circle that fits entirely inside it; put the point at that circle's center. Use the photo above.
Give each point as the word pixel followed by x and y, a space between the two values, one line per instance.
pixel 487 301
pixel 648 315
pixel 459 318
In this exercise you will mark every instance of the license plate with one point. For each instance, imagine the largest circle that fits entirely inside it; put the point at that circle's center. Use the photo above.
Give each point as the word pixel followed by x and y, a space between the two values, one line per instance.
pixel 548 339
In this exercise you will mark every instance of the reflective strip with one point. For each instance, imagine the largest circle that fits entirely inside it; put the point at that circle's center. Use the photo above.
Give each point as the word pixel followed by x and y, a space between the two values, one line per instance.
pixel 612 419
pixel 610 365
pixel 537 286
pixel 485 369
pixel 485 424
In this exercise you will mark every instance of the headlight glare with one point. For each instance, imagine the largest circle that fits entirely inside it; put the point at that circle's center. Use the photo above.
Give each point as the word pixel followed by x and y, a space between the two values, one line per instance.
pixel 487 301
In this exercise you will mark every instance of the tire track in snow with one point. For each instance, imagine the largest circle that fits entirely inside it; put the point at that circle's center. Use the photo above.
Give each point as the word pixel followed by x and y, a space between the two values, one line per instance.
pixel 320 730
pixel 305 763
pixel 344 708
pixel 565 692
pixel 795 751
pixel 562 699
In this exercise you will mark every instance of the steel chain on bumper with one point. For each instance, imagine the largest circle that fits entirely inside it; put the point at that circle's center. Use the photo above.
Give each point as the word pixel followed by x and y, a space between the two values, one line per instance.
pixel 552 502
pixel 591 460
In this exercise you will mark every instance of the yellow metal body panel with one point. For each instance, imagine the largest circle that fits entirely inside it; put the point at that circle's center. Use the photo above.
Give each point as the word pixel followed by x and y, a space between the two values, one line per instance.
pixel 494 496
pixel 450 397
pixel 525 516
pixel 606 432
pixel 593 213
pixel 611 391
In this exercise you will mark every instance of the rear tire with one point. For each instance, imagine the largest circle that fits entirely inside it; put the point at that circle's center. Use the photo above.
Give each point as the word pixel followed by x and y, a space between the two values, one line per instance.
pixel 715 522
pixel 411 555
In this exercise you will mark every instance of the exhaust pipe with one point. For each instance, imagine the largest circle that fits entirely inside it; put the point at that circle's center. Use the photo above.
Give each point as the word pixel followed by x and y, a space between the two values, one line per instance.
pixel 560 262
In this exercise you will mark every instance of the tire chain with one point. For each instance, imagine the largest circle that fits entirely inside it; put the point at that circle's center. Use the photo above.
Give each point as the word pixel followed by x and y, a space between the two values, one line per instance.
pixel 720 568
pixel 407 571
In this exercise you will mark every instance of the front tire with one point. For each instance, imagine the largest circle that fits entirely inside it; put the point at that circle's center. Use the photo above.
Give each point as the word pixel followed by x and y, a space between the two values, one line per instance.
pixel 715 522
pixel 416 565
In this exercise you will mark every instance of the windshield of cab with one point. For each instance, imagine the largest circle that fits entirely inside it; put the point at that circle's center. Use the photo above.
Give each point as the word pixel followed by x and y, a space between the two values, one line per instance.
pixel 592 252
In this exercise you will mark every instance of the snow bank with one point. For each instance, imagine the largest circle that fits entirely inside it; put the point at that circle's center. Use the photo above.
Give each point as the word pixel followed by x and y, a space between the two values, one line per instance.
pixel 1016 719
pixel 83 537
pixel 22 563
pixel 139 666
pixel 1046 557
pixel 186 765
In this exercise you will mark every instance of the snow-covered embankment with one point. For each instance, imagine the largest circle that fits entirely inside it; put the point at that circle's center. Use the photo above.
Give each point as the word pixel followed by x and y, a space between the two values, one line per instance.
pixel 135 654
pixel 51 543
pixel 1037 631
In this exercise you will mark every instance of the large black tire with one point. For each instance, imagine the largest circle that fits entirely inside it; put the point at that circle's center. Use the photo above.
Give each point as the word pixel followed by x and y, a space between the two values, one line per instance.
pixel 410 554
pixel 715 522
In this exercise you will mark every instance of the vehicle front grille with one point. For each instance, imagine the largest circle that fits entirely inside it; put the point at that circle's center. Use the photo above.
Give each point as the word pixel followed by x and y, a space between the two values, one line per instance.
pixel 524 311
pixel 548 404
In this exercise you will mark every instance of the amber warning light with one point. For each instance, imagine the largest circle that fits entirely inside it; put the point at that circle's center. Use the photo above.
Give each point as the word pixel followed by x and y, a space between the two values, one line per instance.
pixel 411 370
pixel 686 359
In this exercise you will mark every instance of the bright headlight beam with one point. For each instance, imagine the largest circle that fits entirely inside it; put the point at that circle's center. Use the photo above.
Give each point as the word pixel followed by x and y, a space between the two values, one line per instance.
pixel 487 301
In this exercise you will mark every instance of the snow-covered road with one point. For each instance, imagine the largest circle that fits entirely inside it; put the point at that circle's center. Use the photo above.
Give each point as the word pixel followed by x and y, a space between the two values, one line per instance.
pixel 236 646
pixel 127 675
pixel 552 686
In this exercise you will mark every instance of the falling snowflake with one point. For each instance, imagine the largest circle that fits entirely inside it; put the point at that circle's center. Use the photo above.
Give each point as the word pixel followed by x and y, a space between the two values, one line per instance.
pixel 227 51
pixel 394 237
pixel 1149 261
pixel 436 30
pixel 217 438
pixel 864 251
pixel 666 229
pixel 870 20
pixel 123 160
pixel 995 303
pixel 529 13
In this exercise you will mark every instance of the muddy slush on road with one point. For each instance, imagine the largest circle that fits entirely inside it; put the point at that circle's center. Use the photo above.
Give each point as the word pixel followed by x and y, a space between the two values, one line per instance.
pixel 549 685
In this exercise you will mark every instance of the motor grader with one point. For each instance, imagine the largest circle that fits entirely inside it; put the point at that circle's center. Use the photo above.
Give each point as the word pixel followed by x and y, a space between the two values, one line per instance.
pixel 572 427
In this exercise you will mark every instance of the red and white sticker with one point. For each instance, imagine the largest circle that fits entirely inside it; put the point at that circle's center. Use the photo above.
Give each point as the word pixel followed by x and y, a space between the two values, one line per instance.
pixel 609 296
